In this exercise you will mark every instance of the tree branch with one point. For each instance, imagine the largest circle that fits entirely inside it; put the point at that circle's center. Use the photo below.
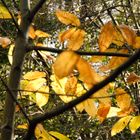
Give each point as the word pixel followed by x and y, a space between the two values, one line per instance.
pixel 57 111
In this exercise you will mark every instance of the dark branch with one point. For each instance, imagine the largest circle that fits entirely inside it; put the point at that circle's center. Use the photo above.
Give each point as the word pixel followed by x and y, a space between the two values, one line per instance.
pixel 57 111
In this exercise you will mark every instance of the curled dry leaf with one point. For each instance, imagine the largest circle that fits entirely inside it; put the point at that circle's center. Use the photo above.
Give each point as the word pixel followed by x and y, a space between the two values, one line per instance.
pixel 32 75
pixel 67 18
pixel 4 41
pixel 120 125
pixel 65 63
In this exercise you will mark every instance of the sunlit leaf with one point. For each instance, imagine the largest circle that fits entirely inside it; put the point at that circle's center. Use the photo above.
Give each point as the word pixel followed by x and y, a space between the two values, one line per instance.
pixel 71 85
pixel 10 53
pixel 4 41
pixel 120 125
pixel 65 63
pixel 137 42
pixel 113 112
pixel 134 124
pixel 40 33
pixel 123 99
pixel 36 84
pixel 58 135
pixel 31 32
pixel 115 61
pixel 67 18
pixel 42 96
pixel 34 75
pixel 4 14
pixel 66 35
pixel 87 74
pixel 42 134
pixel 76 40
pixel 23 126
pixel 90 107
pixel 102 112
pixel 132 78
pixel 80 107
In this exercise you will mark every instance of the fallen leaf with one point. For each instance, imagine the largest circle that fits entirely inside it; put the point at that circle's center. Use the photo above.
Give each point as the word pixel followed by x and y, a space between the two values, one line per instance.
pixel 120 125
pixel 67 18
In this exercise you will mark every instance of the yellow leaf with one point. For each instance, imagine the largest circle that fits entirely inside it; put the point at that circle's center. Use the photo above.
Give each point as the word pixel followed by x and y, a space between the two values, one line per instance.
pixel 113 112
pixel 90 107
pixel 10 53
pixel 66 35
pixel 120 125
pixel 31 32
pixel 58 135
pixel 87 74
pixel 41 133
pixel 67 18
pixel 42 96
pixel 32 75
pixel 71 85
pixel 36 84
pixel 65 63
pixel 132 78
pixel 137 42
pixel 123 99
pixel 4 12
pixel 134 124
pixel 4 41
pixel 40 33
pixel 80 107
pixel 76 40
pixel 23 126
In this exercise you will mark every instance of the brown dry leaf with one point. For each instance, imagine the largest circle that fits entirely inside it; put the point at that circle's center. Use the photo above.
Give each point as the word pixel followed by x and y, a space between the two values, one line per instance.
pixel 65 63
pixel 137 42
pixel 40 33
pixel 4 41
pixel 71 85
pixel 66 35
pixel 87 74
pixel 115 61
pixel 120 125
pixel 102 112
pixel 34 75
pixel 90 107
pixel 67 18
pixel 31 32
pixel 128 34
pixel 106 36
pixel 132 78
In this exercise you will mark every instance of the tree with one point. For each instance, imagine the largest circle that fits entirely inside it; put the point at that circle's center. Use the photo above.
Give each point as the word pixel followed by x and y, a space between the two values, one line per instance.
pixel 84 76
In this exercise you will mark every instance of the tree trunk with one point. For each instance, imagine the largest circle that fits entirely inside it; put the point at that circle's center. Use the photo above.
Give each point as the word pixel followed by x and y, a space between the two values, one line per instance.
pixel 15 73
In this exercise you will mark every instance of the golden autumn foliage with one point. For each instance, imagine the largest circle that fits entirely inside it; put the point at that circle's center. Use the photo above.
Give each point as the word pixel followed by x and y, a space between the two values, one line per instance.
pixel 4 14
pixel 4 41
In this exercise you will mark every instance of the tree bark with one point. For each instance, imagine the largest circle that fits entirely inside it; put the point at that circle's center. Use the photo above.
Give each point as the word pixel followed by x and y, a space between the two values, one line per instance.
pixel 15 73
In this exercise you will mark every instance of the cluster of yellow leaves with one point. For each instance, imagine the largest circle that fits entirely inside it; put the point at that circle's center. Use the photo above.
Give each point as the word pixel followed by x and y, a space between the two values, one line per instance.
pixel 4 14
pixel 118 35
pixel 34 84
pixel 42 134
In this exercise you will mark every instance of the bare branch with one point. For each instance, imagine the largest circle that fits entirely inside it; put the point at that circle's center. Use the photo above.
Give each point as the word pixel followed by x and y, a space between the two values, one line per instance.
pixel 57 111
